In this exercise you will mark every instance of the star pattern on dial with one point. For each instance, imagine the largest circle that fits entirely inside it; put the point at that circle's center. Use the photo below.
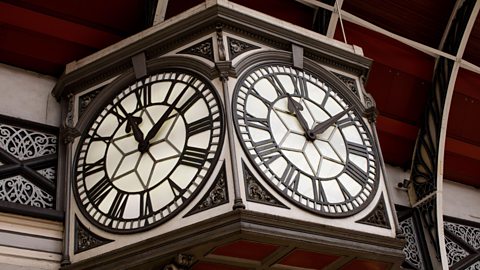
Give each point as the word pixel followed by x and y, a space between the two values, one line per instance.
pixel 127 172
pixel 148 152
pixel 307 138
pixel 306 155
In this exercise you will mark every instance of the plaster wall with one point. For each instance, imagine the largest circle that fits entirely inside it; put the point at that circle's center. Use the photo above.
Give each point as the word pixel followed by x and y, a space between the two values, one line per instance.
pixel 394 176
pixel 461 201
pixel 27 95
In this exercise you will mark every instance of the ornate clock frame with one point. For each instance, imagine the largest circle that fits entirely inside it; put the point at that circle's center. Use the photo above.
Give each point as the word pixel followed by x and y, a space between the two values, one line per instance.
pixel 219 43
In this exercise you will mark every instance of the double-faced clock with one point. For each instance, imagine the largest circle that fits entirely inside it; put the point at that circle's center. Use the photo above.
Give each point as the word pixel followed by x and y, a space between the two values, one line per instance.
pixel 306 139
pixel 148 151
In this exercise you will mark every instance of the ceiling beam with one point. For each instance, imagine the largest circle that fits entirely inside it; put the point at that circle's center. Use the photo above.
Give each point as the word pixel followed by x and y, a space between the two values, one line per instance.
pixel 419 46
pixel 444 123
pixel 461 148
pixel 457 5
pixel 63 30
pixel 160 11
pixel 416 45
pixel 397 128
pixel 316 4
pixel 332 25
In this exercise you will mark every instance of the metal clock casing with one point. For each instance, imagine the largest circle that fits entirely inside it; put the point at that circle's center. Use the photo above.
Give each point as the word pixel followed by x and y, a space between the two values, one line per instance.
pixel 277 111
pixel 124 187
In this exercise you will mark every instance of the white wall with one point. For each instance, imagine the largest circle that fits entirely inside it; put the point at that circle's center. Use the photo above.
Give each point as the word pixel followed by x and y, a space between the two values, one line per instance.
pixel 461 201
pixel 27 95
pixel 394 176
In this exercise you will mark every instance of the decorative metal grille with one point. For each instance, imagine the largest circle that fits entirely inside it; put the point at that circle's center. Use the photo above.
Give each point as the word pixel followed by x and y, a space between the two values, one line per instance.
pixel 411 249
pixel 462 241
pixel 475 266
pixel 455 252
pixel 470 235
pixel 48 173
pixel 25 144
pixel 17 189
pixel 28 155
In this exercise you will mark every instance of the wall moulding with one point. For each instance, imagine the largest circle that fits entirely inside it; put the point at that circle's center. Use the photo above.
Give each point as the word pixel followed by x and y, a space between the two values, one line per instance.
pixel 243 224
pixel 165 37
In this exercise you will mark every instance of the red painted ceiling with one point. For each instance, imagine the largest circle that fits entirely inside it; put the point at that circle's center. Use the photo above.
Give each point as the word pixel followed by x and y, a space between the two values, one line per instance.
pixel 243 254
pixel 43 36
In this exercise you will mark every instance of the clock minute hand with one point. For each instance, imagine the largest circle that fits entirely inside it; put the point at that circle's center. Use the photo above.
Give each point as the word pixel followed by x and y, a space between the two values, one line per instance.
pixel 321 127
pixel 153 131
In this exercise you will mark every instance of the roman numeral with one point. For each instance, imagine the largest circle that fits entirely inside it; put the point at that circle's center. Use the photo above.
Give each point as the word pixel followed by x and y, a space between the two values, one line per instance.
pixel 276 84
pixel 356 173
pixel 345 122
pixel 98 138
pixel 190 102
pixel 92 168
pixel 262 99
pixel 357 149
pixel 99 191
pixel 119 114
pixel 177 191
pixel 346 195
pixel 194 157
pixel 199 126
pixel 146 207
pixel 319 193
pixel 255 122
pixel 290 177
pixel 300 85
pixel 266 148
pixel 118 205
pixel 144 96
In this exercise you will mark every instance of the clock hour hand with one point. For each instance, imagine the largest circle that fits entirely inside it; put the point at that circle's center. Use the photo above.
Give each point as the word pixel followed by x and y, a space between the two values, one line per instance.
pixel 154 130
pixel 295 107
pixel 132 124
pixel 321 127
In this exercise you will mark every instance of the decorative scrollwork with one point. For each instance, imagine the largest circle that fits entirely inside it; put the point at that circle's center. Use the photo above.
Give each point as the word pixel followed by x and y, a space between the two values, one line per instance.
pixel 237 47
pixel 48 173
pixel 378 217
pixel 180 262
pixel 475 266
pixel 25 144
pixel 215 196
pixel 470 235
pixel 85 100
pixel 256 192
pixel 349 82
pixel 455 252
pixel 17 189
pixel 411 248
pixel 85 239
pixel 203 49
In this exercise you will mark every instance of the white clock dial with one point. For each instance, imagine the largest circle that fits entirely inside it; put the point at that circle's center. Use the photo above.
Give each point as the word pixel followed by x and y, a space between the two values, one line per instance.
pixel 148 151
pixel 306 139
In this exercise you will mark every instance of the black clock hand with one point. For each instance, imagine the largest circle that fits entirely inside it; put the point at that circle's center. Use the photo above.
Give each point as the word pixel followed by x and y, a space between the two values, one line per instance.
pixel 321 127
pixel 295 107
pixel 137 133
pixel 132 124
pixel 153 131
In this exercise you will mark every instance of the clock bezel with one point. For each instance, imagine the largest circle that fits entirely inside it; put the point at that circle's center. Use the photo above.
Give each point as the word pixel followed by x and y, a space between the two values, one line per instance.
pixel 107 95
pixel 270 58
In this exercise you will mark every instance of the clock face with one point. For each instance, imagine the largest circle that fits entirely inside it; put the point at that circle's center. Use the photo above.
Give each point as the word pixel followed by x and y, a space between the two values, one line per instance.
pixel 148 152
pixel 306 140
